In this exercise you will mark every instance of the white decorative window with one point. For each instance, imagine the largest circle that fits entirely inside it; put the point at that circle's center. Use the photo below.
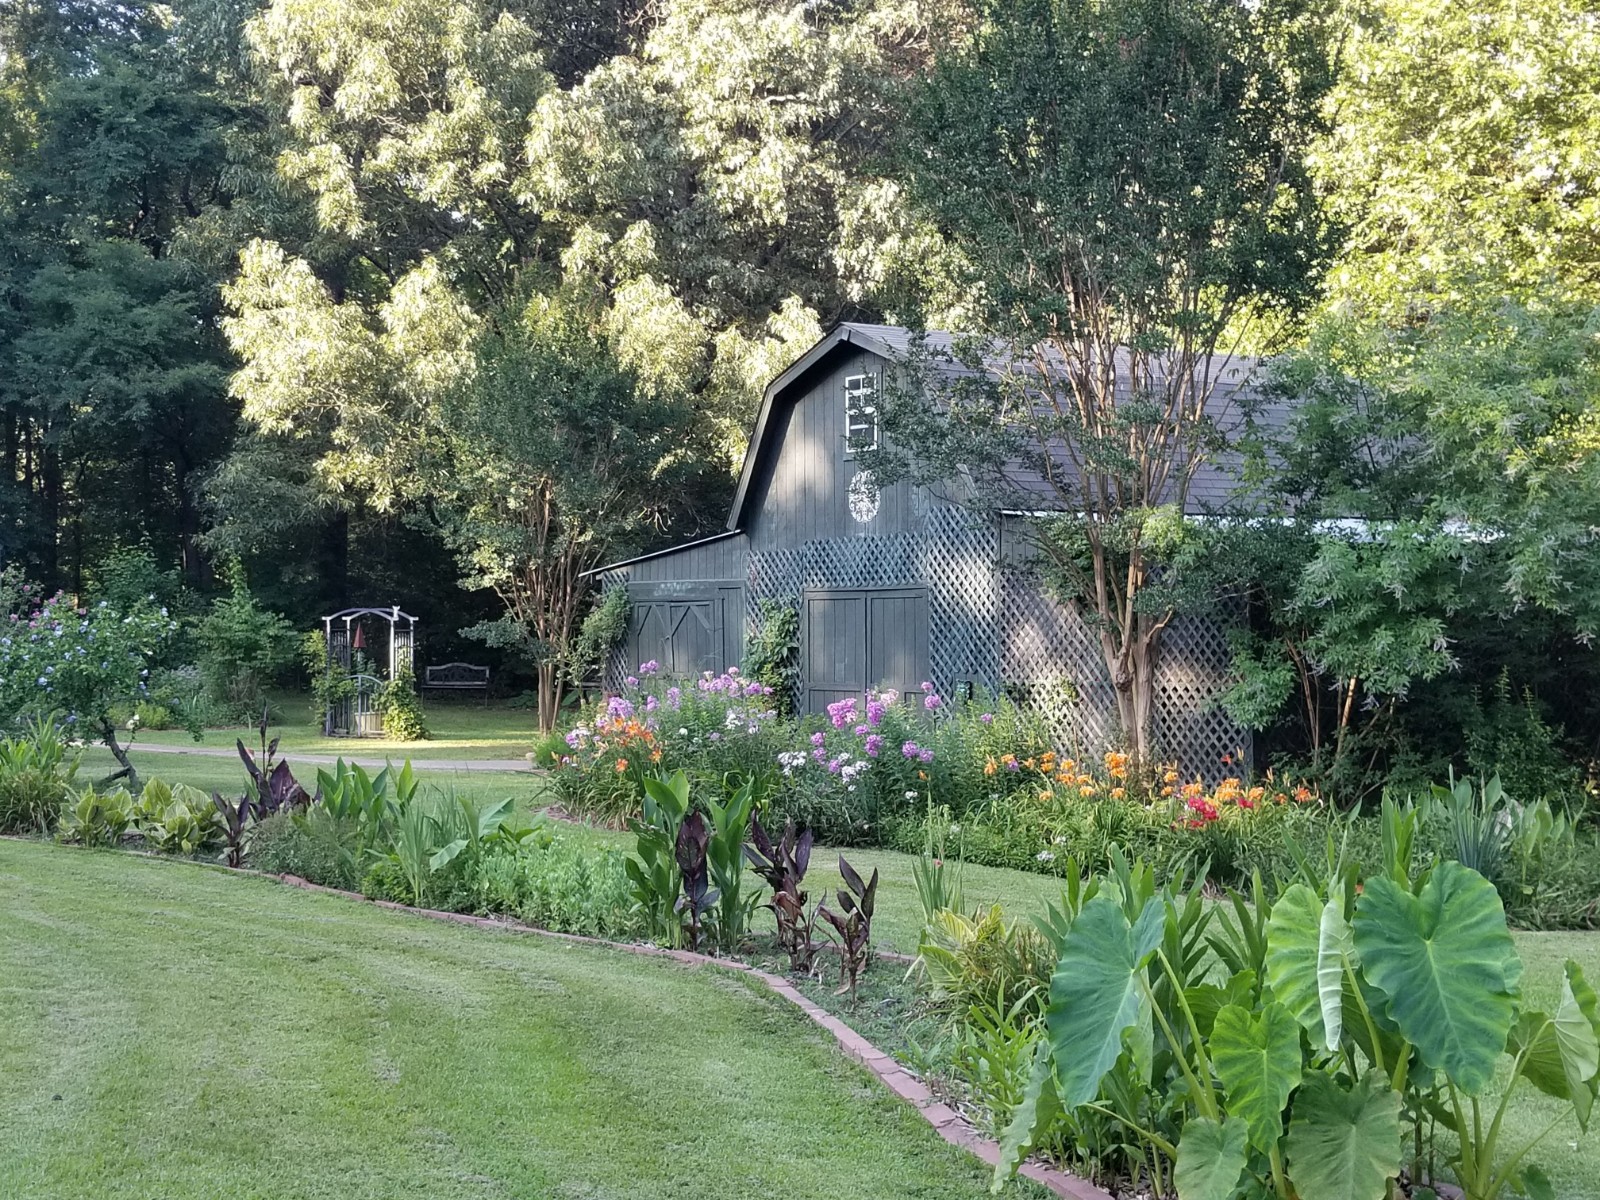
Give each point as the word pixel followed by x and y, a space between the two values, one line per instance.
pixel 861 412
pixel 862 497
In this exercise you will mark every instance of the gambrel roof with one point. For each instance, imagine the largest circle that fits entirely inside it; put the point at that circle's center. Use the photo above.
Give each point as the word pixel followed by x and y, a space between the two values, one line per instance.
pixel 1214 483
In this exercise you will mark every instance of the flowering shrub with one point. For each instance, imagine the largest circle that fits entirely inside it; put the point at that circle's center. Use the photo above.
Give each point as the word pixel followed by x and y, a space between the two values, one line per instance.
pixel 896 770
pixel 79 662
pixel 712 727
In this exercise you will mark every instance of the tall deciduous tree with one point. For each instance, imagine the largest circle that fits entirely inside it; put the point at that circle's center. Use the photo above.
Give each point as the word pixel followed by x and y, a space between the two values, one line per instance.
pixel 1446 395
pixel 1465 154
pixel 113 404
pixel 1128 184
pixel 561 457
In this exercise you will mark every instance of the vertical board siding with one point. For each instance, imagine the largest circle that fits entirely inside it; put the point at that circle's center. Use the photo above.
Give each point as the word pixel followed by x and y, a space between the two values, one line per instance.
pixel 803 492
pixel 921 590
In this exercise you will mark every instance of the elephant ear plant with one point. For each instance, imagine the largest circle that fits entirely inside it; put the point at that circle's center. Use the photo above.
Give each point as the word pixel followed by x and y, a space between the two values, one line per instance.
pixel 854 928
pixel 783 866
pixel 1355 1020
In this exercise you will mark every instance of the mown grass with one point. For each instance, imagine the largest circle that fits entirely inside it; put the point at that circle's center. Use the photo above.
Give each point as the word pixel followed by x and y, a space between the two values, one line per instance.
pixel 227 776
pixel 458 729
pixel 174 1032
pixel 1571 1160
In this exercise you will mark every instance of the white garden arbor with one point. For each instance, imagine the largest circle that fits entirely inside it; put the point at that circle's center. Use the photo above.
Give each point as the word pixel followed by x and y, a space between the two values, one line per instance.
pixel 362 643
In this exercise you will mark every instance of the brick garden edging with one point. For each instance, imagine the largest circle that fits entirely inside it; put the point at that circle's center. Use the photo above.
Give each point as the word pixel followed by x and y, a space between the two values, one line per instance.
pixel 946 1121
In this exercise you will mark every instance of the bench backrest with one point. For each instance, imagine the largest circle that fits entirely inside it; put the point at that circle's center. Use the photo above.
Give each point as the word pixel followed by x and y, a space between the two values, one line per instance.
pixel 456 674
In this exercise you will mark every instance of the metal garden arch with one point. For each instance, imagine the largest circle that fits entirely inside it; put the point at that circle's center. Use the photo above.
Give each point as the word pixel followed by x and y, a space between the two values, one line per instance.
pixel 355 714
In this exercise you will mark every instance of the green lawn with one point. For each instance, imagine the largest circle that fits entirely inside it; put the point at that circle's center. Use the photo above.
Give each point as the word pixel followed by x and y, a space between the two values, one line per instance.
pixel 459 729
pixel 173 1032
pixel 226 775
pixel 1572 1163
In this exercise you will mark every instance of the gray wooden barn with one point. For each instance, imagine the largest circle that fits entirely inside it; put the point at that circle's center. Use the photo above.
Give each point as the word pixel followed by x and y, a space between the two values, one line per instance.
pixel 895 585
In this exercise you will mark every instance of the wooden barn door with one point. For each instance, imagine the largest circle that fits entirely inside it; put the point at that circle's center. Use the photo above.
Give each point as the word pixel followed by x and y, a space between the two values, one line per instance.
pixel 687 630
pixel 861 639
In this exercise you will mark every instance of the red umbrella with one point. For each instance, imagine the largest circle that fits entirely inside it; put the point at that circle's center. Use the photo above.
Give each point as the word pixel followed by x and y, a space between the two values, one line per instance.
pixel 361 642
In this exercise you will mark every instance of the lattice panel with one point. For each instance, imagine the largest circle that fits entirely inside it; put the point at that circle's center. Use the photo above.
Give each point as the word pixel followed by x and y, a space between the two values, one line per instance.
pixel 616 667
pixel 1048 653
pixel 951 554
pixel 1189 723
pixel 1051 660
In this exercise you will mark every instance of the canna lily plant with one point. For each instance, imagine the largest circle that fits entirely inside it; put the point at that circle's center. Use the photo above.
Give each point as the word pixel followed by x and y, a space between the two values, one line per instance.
pixel 852 929
pixel 783 866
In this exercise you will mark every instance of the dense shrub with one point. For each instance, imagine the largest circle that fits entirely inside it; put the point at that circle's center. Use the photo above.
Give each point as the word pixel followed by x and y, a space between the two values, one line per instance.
pixel 283 846
pixel 242 646
pixel 390 839
pixel 401 708
pixel 562 885
pixel 37 768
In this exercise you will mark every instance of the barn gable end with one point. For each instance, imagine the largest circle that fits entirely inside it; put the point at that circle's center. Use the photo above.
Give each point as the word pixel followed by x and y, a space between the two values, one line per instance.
pixel 893 587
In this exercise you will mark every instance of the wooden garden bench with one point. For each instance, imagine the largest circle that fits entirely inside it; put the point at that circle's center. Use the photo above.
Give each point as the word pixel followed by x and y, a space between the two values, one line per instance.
pixel 457 677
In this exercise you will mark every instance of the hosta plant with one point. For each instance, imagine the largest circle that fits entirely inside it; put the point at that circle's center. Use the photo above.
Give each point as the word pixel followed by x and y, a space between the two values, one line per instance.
pixel 93 818
pixel 176 819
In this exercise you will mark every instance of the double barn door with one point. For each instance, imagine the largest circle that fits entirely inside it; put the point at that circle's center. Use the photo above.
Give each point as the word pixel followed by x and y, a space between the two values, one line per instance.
pixel 686 628
pixel 862 639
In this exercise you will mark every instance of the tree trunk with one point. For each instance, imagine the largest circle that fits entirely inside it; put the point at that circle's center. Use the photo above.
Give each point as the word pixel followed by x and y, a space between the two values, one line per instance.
pixel 108 734
pixel 550 691
pixel 50 491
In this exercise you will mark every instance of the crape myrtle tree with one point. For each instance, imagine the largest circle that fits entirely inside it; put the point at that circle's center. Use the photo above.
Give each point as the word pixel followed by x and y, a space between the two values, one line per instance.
pixel 1125 186
pixel 560 458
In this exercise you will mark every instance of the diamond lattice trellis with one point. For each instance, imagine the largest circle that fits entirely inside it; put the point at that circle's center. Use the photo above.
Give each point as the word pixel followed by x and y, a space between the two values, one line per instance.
pixel 952 554
pixel 1052 659
pixel 994 626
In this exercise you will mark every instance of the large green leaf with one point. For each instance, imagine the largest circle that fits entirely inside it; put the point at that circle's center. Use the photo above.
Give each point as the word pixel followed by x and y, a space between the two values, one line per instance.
pixel 1344 1145
pixel 1258 1061
pixel 1040 1108
pixel 1446 965
pixel 1211 1157
pixel 1094 993
pixel 1206 1000
pixel 1577 1034
pixel 1307 943
pixel 1533 1040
